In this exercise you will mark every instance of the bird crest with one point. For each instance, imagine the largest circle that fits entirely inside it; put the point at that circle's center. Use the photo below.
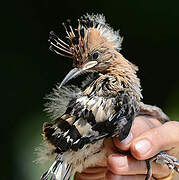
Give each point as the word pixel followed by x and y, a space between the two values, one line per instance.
pixel 91 34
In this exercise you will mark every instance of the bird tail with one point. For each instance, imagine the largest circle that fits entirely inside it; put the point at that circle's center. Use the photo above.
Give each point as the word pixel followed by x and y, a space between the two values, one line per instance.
pixel 59 170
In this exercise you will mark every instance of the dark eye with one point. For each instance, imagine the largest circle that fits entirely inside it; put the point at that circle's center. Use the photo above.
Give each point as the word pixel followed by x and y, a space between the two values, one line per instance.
pixel 95 55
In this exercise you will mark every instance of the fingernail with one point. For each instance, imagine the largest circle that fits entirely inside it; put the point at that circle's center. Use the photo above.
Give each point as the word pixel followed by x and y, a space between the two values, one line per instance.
pixel 143 146
pixel 120 161
pixel 128 139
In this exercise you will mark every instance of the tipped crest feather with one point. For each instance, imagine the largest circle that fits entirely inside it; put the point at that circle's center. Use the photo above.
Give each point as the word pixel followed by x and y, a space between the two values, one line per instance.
pixel 78 38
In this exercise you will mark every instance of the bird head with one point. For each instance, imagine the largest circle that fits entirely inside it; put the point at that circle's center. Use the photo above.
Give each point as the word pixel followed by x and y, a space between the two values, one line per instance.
pixel 92 46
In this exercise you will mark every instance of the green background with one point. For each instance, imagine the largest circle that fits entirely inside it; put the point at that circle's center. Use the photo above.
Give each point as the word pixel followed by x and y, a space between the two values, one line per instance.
pixel 29 70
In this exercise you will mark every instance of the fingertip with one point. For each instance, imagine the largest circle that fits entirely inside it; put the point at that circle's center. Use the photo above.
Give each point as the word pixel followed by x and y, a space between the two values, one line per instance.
pixel 124 144
pixel 119 145
pixel 117 163
pixel 141 149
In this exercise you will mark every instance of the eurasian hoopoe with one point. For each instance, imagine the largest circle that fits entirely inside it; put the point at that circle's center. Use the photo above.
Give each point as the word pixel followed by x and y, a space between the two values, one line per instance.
pixel 104 105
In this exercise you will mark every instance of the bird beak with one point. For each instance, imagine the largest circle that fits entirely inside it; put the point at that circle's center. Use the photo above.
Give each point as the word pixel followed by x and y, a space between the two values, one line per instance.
pixel 72 74
pixel 77 71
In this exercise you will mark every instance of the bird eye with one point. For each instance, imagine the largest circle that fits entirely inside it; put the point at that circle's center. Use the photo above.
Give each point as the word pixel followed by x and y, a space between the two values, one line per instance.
pixel 95 55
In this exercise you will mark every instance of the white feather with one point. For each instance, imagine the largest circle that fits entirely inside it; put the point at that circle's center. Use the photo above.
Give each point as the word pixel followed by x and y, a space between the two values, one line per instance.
pixel 105 30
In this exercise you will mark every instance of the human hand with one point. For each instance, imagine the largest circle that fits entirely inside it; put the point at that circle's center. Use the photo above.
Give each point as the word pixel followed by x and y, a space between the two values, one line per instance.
pixel 144 128
pixel 147 138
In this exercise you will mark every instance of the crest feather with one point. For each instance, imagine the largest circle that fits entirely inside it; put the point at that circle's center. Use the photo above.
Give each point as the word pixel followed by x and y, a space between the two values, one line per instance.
pixel 76 44
pixel 98 21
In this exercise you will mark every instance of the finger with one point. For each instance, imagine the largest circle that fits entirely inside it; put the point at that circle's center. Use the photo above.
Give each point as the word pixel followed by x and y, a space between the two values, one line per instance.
pixel 111 176
pixel 126 165
pixel 100 175
pixel 163 138
pixel 93 170
pixel 140 125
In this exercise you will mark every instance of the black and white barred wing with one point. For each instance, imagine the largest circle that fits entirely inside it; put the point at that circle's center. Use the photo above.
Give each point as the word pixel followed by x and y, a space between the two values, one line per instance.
pixel 77 135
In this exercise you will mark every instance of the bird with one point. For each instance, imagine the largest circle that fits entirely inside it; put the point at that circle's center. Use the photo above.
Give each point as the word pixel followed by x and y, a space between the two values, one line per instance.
pixel 102 103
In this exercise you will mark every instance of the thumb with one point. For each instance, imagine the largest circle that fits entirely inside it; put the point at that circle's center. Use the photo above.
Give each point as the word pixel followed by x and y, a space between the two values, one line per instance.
pixel 163 138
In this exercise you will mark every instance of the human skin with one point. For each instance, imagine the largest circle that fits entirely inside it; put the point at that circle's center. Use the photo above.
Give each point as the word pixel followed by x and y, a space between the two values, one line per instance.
pixel 147 138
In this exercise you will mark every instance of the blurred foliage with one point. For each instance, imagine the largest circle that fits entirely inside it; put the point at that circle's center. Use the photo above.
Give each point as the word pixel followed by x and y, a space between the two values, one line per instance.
pixel 29 70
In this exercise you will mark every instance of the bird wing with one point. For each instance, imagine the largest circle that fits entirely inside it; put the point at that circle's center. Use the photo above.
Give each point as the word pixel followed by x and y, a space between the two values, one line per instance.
pixel 79 126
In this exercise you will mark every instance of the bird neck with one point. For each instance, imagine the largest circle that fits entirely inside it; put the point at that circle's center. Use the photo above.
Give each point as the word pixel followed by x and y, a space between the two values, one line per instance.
pixel 125 72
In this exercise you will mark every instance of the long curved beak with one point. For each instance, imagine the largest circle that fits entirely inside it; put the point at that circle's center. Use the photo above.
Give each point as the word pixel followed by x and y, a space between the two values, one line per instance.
pixel 77 71
pixel 72 74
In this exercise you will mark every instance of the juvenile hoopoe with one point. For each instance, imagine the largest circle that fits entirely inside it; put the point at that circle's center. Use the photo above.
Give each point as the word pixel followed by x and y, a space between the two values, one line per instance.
pixel 103 105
